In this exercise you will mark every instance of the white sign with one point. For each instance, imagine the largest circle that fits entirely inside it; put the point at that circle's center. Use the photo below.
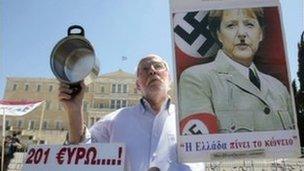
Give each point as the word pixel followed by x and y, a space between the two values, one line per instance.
pixel 17 108
pixel 213 147
pixel 93 157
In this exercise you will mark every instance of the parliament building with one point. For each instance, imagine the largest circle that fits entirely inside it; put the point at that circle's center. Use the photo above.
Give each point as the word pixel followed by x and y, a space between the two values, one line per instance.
pixel 107 93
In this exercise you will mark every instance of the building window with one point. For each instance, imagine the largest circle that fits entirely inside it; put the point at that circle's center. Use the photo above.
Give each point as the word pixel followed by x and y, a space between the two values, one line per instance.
pixel 92 120
pixel 102 89
pixel 124 103
pixel 119 88
pixel 113 88
pixel 118 104
pixel 7 123
pixel 125 88
pixel 14 87
pixel 50 88
pixel 58 125
pixel 85 106
pixel 19 124
pixel 97 119
pixel 42 142
pixel 101 105
pixel 44 125
pixel 26 87
pixel 112 104
pixel 31 125
pixel 38 88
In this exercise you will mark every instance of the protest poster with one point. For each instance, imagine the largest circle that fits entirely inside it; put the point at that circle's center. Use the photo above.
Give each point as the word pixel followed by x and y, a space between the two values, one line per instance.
pixel 93 157
pixel 233 81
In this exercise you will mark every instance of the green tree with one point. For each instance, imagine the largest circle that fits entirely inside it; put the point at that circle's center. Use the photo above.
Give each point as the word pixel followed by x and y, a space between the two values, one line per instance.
pixel 299 94
pixel 300 72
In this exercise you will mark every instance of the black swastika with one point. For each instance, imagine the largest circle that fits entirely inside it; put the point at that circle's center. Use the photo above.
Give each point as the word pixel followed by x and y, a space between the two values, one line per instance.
pixel 193 132
pixel 199 28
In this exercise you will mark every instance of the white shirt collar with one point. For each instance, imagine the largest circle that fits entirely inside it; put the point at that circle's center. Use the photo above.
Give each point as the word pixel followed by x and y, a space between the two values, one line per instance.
pixel 146 105
pixel 241 68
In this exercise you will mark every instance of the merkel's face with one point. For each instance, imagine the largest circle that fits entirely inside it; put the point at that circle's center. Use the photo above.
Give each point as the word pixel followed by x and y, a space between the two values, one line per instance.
pixel 153 76
pixel 240 35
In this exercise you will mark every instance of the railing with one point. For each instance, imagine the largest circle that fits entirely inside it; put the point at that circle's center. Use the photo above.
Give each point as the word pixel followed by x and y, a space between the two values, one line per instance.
pixel 49 132
pixel 287 164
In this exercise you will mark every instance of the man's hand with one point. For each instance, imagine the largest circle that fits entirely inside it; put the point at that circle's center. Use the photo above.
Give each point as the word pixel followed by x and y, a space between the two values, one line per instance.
pixel 72 105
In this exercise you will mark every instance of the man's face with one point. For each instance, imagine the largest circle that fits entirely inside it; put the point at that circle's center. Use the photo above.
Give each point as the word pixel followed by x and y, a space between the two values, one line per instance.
pixel 240 35
pixel 153 76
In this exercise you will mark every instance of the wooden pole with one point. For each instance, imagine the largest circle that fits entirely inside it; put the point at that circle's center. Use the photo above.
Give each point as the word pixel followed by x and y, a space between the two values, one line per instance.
pixel 41 121
pixel 3 140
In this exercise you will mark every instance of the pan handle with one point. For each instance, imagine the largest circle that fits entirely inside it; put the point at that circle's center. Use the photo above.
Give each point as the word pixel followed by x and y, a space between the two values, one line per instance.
pixel 76 89
pixel 81 33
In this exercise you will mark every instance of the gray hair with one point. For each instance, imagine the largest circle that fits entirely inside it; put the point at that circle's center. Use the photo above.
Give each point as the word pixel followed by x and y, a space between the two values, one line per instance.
pixel 149 56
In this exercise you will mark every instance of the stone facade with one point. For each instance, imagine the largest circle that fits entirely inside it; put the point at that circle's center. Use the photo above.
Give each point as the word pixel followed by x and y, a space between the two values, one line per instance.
pixel 106 94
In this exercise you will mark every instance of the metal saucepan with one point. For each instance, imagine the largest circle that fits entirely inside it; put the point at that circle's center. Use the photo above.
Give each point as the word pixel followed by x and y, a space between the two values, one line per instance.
pixel 73 59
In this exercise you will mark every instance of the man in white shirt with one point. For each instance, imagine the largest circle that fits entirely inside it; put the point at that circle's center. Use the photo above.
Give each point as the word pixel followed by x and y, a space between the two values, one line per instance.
pixel 231 88
pixel 147 129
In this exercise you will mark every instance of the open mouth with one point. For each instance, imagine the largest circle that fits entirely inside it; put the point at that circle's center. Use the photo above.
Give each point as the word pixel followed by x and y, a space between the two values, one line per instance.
pixel 242 46
pixel 154 79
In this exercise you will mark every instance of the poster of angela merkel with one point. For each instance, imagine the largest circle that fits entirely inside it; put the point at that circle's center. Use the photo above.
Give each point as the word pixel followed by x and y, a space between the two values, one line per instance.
pixel 232 76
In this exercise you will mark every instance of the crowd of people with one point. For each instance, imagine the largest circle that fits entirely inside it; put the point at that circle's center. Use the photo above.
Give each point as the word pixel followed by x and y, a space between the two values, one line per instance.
pixel 12 144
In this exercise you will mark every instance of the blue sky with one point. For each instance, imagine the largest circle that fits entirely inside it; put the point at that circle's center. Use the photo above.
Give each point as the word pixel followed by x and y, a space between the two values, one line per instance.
pixel 30 29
